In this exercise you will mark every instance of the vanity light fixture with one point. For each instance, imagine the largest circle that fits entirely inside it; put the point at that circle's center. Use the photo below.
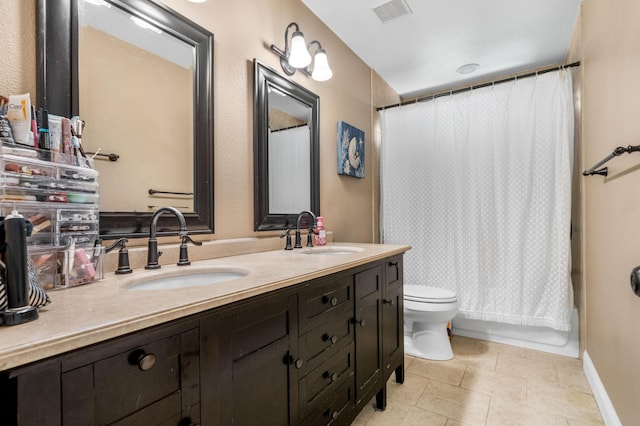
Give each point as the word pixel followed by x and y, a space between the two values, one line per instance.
pixel 298 57
pixel 321 70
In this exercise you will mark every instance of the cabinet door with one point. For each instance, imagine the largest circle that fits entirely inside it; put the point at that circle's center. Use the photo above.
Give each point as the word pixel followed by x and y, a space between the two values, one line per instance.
pixel 393 319
pixel 368 292
pixel 258 362
pixel 31 395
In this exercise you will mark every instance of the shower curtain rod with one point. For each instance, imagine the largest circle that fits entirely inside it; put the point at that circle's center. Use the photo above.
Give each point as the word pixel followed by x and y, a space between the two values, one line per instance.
pixel 491 83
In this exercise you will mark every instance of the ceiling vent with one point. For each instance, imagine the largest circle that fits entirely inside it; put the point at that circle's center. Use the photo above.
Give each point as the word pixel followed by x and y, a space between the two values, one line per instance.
pixel 392 10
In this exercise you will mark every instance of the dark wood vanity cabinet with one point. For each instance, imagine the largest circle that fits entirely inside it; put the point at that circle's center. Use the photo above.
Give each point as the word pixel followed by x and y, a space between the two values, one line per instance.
pixel 312 354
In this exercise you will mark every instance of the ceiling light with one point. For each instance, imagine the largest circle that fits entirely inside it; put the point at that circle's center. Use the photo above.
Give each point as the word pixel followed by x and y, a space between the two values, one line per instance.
pixel 299 57
pixel 467 68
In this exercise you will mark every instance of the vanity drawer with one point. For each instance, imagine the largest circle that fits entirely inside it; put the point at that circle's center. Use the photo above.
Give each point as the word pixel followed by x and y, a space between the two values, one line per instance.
pixel 324 296
pixel 320 384
pixel 323 341
pixel 334 408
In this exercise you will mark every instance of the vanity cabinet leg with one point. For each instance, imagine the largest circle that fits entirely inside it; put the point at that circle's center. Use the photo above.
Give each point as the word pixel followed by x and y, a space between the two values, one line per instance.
pixel 400 374
pixel 381 398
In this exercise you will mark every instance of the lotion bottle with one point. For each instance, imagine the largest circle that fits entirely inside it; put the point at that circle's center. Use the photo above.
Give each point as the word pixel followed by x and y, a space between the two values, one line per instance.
pixel 321 236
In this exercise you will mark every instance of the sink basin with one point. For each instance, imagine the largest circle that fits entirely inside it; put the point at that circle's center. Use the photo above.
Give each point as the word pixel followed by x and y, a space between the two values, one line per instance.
pixel 190 279
pixel 331 250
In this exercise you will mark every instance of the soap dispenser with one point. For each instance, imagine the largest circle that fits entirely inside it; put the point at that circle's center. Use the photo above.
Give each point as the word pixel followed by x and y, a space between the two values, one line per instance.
pixel 13 240
pixel 321 236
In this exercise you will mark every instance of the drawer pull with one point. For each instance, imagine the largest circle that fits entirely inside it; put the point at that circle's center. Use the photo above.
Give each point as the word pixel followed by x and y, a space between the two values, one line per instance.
pixel 333 339
pixel 332 301
pixel 332 376
pixel 143 360
pixel 388 301
pixel 298 363
pixel 332 414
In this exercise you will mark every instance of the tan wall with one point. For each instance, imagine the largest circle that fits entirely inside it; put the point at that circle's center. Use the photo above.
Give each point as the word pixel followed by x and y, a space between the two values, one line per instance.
pixel 244 30
pixel 611 107
pixel 17 47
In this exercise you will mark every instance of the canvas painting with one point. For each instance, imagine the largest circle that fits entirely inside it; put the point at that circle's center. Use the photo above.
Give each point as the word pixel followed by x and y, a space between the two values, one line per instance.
pixel 350 150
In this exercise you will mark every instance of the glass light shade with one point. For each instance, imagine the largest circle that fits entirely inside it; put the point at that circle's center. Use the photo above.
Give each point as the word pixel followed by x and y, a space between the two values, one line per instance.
pixel 299 56
pixel 321 70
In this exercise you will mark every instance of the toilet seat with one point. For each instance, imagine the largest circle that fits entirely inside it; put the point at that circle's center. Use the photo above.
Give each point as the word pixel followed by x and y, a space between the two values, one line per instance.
pixel 426 294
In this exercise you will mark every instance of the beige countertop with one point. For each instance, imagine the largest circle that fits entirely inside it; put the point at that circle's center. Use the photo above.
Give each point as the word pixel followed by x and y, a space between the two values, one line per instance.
pixel 102 310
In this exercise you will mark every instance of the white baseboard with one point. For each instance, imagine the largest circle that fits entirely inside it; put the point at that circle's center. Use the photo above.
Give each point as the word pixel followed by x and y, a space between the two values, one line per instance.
pixel 608 412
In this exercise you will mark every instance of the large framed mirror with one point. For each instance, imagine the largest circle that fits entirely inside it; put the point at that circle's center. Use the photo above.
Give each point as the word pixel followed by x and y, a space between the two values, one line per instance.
pixel 286 150
pixel 141 76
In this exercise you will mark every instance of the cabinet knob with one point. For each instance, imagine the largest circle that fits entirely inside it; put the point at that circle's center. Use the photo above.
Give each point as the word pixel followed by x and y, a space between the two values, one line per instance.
pixel 387 301
pixel 333 339
pixel 332 376
pixel 334 415
pixel 333 301
pixel 362 322
pixel 143 360
pixel 299 363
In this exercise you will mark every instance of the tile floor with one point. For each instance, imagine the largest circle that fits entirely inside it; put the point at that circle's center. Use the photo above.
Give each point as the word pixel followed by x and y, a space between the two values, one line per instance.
pixel 488 384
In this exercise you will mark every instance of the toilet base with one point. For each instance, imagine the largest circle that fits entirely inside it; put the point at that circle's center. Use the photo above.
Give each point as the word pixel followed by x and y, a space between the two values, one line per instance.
pixel 430 342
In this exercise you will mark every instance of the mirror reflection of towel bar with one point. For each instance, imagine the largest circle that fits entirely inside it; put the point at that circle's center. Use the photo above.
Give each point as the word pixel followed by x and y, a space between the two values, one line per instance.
pixel 111 157
pixel 156 191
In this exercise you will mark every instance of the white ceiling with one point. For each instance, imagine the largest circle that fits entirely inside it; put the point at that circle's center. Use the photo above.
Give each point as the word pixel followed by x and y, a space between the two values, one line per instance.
pixel 419 53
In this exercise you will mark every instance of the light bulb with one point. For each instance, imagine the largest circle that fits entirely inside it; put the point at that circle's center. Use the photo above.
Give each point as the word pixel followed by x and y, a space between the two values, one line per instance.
pixel 299 57
pixel 321 70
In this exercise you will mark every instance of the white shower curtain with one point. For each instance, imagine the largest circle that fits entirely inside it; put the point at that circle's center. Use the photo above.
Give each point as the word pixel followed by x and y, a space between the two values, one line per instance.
pixel 288 174
pixel 479 184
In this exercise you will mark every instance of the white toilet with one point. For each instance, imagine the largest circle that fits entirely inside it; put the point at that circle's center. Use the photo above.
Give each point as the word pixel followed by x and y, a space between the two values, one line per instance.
pixel 427 310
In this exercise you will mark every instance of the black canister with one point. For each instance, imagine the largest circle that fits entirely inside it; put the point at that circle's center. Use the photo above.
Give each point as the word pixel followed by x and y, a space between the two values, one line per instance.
pixel 17 273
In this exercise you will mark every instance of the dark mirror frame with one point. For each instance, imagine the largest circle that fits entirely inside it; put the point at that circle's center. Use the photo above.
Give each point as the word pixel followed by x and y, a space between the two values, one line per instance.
pixel 57 87
pixel 265 77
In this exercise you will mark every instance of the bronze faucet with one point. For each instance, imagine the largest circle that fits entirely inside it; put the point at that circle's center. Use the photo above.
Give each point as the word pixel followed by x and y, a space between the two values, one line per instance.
pixel 153 254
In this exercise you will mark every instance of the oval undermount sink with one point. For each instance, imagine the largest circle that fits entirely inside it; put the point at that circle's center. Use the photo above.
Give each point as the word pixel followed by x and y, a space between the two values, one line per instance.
pixel 190 279
pixel 331 250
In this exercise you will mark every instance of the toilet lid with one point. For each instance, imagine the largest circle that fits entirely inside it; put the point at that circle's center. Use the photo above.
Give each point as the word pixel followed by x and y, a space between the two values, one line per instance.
pixel 422 293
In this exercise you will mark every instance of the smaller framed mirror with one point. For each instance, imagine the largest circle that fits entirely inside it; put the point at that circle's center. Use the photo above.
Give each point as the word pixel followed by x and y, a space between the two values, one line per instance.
pixel 286 150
